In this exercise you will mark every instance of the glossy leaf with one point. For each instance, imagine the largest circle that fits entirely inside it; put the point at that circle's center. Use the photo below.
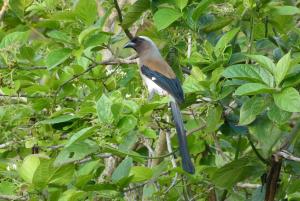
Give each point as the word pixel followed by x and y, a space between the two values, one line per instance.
pixel 288 100
pixel 103 107
pixel 249 73
pixel 57 57
pixel 122 171
pixel 224 40
pixel 134 12
pixel 164 17
pixel 264 62
pixel 250 109
pixel 253 89
pixel 282 68
pixel 86 11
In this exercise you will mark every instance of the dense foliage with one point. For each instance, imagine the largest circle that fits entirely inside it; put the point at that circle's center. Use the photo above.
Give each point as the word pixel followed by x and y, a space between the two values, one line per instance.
pixel 76 124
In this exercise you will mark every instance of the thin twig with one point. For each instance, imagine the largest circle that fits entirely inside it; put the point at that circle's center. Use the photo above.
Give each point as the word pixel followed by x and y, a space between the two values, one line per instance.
pixel 95 64
pixel 285 154
pixel 128 34
pixel 256 152
pixel 23 68
pixel 196 129
pixel 174 165
pixel 13 197
pixel 247 185
pixel 291 137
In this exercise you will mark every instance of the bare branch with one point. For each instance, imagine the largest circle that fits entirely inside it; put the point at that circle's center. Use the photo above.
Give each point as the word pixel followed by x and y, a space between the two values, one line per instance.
pixel 13 197
pixel 247 185
pixel 23 68
pixel 160 148
pixel 4 145
pixel 4 8
pixel 285 154
pixel 195 130
pixel 290 138
pixel 255 151
pixel 115 61
pixel 128 34
pixel 189 50
pixel 169 147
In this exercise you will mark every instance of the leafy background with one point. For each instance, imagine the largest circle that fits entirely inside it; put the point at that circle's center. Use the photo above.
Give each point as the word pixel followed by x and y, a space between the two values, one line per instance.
pixel 76 123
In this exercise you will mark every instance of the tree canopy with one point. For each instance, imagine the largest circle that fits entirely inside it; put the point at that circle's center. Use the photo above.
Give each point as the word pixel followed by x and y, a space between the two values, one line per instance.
pixel 76 124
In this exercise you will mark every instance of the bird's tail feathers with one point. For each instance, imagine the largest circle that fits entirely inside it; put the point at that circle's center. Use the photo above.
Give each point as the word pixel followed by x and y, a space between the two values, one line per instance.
pixel 187 164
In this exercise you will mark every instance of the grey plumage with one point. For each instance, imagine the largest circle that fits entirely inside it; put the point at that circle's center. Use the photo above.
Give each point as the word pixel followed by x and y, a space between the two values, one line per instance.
pixel 160 78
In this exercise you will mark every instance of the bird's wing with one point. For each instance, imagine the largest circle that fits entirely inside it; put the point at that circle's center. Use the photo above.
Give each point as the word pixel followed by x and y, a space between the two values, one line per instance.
pixel 171 85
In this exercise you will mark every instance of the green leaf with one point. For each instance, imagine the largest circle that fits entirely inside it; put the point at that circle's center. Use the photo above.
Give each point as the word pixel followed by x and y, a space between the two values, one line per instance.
pixel 79 136
pixel 141 173
pixel 96 39
pixel 267 134
pixel 103 107
pixel 288 100
pixel 123 170
pixel 42 173
pixel 27 53
pixel 217 24
pixel 62 175
pixel 28 167
pixel 56 57
pixel 71 195
pixel 224 40
pixel 249 73
pixel 213 120
pixel 76 151
pixel 86 11
pixel 14 38
pixel 87 32
pixel 202 6
pixel 227 176
pixel 181 4
pixel 250 109
pixel 285 10
pixel 252 89
pixel 59 119
pixel 134 12
pixel 264 61
pixel 149 133
pixel 278 115
pixel 136 157
pixel 127 123
pixel 282 68
pixel 60 36
pixel 164 17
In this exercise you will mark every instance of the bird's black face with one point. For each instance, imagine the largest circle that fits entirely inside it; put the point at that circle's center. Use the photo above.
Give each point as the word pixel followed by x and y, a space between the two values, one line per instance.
pixel 135 43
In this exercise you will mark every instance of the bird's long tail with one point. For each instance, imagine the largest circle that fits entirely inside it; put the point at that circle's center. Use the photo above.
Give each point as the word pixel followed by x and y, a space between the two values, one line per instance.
pixel 187 164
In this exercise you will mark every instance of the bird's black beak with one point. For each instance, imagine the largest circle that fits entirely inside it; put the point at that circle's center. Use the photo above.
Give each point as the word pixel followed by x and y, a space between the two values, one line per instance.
pixel 130 44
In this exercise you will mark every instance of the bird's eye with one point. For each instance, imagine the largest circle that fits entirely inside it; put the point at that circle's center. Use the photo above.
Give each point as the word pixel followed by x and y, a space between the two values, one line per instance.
pixel 134 40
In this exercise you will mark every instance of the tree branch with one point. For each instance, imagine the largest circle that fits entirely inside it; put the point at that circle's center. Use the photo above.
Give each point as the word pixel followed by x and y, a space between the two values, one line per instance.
pixel 4 8
pixel 273 178
pixel 291 137
pixel 169 147
pixel 255 151
pixel 127 32
pixel 285 154
pixel 13 197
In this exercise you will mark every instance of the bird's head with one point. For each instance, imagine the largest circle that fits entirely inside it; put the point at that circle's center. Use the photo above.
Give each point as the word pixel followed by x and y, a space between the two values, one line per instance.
pixel 141 44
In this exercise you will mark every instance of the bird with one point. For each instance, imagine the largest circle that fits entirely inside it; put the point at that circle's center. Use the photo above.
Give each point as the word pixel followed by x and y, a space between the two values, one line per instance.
pixel 160 79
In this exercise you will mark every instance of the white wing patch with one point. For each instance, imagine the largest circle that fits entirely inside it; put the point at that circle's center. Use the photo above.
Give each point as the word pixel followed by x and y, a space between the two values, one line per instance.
pixel 153 78
pixel 152 86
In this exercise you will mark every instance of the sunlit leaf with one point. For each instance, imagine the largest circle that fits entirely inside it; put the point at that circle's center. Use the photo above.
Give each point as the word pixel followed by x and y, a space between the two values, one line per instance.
pixel 288 100
pixel 164 17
